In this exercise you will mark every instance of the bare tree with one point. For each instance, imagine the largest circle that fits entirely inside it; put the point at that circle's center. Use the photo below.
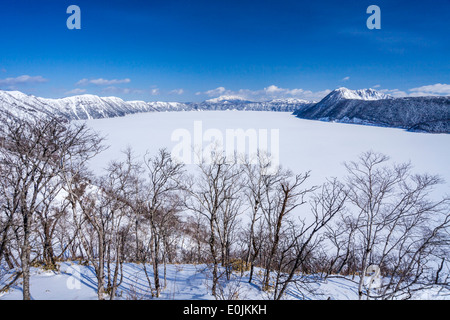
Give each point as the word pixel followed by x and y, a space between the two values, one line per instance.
pixel 48 216
pixel 213 197
pixel 32 155
pixel 105 207
pixel 398 225
pixel 194 243
pixel 306 238
pixel 341 236
pixel 284 194
pixel 161 203
pixel 119 186
pixel 256 185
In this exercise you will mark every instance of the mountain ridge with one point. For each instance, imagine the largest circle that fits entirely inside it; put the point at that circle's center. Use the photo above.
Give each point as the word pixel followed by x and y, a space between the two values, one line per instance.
pixel 423 114
pixel 364 106
pixel 87 106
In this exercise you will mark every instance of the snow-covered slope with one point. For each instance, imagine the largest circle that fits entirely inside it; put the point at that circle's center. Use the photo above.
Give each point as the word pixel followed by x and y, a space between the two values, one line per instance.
pixel 427 114
pixel 21 105
pixel 169 106
pixel 362 94
pixel 184 282
pixel 74 108
pixel 231 103
pixel 227 99
pixel 342 94
pixel 93 107
pixel 88 106
pixel 366 106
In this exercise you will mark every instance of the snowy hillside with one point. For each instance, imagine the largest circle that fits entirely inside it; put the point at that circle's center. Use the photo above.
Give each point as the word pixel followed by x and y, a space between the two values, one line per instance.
pixel 366 106
pixel 74 108
pixel 283 105
pixel 88 106
pixel 426 114
pixel 346 94
pixel 227 99
pixel 184 282
pixel 21 105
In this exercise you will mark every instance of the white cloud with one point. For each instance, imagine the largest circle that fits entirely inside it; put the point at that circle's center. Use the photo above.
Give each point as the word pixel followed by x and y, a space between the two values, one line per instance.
pixel 268 93
pixel 177 91
pixel 102 82
pixel 76 91
pixel 396 93
pixel 214 92
pixel 116 90
pixel 82 82
pixel 346 79
pixel 154 91
pixel 276 92
pixel 24 79
pixel 273 90
pixel 437 89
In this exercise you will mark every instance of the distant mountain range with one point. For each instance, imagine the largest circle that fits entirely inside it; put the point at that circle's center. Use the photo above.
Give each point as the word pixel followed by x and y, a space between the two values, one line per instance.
pixel 86 106
pixel 366 106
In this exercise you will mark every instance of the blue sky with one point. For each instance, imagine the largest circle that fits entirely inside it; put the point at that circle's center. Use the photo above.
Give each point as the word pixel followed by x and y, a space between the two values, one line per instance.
pixel 195 50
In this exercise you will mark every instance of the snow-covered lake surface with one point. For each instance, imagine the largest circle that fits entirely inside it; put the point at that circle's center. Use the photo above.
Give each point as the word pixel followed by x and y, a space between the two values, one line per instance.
pixel 304 145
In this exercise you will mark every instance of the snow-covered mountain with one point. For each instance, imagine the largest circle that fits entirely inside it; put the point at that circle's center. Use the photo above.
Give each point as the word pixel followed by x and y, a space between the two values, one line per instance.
pixel 341 94
pixel 88 106
pixel 284 105
pixel 93 107
pixel 227 99
pixel 76 107
pixel 21 105
pixel 428 114
pixel 366 106
pixel 362 94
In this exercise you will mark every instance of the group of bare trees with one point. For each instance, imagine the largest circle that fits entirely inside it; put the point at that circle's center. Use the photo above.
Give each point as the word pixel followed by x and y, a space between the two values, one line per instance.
pixel 275 227
pixel 392 222
pixel 33 155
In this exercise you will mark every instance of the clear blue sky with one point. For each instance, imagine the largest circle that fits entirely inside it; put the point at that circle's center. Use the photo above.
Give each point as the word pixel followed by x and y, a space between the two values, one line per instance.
pixel 194 50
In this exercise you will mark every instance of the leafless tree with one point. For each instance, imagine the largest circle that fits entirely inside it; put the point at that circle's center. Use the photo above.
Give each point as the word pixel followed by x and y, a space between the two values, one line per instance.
pixel 283 195
pixel 213 196
pixel 306 239
pixel 119 186
pixel 194 244
pixel 341 235
pixel 32 156
pixel 161 202
pixel 398 225
pixel 256 187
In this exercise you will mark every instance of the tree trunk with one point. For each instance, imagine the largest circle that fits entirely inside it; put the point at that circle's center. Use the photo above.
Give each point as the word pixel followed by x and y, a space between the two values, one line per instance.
pixel 212 246
pixel 25 257
pixel 101 269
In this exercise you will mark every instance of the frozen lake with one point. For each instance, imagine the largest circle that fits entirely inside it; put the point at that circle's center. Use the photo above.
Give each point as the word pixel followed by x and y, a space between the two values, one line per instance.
pixel 304 145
